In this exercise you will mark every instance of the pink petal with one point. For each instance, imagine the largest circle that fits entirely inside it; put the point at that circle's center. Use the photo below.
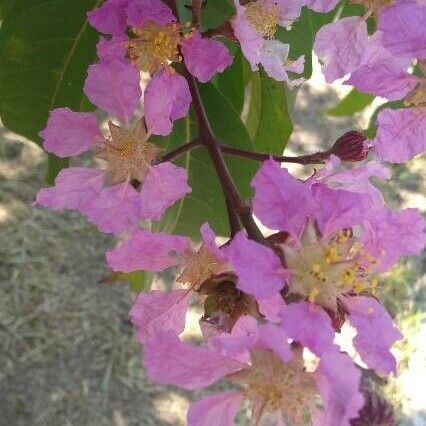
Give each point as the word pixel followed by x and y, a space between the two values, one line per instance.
pixel 376 332
pixel 271 307
pixel 404 29
pixel 110 18
pixel 114 87
pixel 159 311
pixel 280 201
pixel 289 11
pixel 323 6
pixel 168 361
pixel 115 209
pixel 310 325
pixel 274 338
pixel 167 98
pixel 251 42
pixel 401 134
pixel 147 251
pixel 215 410
pixel 139 12
pixel 258 267
pixel 209 239
pixel 340 46
pixel 338 209
pixel 69 133
pixel 109 50
pixel 75 188
pixel 204 57
pixel 164 184
pixel 338 381
pixel 389 235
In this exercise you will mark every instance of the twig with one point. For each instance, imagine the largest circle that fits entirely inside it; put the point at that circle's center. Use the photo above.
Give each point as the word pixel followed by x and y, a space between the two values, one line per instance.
pixel 317 158
pixel 172 155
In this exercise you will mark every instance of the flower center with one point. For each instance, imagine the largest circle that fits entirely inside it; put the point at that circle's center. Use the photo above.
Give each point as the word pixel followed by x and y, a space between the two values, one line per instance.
pixel 263 18
pixel 274 386
pixel 324 270
pixel 154 45
pixel 417 97
pixel 375 5
pixel 127 153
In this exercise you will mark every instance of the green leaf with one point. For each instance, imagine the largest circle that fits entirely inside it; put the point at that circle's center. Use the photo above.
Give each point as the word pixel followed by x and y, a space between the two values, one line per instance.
pixel 45 49
pixel 354 101
pixel 269 121
pixel 206 202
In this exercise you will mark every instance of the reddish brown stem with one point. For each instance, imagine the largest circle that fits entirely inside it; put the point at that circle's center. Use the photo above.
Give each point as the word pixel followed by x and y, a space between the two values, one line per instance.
pixel 183 149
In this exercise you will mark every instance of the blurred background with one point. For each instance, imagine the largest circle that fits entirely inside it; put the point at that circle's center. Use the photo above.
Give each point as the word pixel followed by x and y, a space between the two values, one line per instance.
pixel 68 355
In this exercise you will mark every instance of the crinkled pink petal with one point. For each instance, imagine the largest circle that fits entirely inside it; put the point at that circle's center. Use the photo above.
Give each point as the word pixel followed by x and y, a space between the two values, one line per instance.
pixel 115 209
pixel 110 18
pixel 389 235
pixel 69 133
pixel 164 184
pixel 209 239
pixel 401 134
pixel 383 79
pixel 338 209
pixel 275 338
pixel 310 325
pixel 238 343
pixel 357 179
pixel 139 12
pixel 216 410
pixel 159 311
pixel 338 381
pixel 258 267
pixel 340 46
pixel 376 332
pixel 271 307
pixel 148 251
pixel 404 29
pixel 114 87
pixel 167 98
pixel 204 57
pixel 289 11
pixel 323 6
pixel 250 41
pixel 168 361
pixel 75 188
pixel 109 50
pixel 280 201
pixel 273 57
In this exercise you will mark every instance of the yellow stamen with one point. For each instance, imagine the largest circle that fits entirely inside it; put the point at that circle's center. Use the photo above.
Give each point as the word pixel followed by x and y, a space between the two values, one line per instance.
pixel 264 19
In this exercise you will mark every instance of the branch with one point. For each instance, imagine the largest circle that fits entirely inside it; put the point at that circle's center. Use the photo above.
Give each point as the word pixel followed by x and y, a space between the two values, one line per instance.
pixel 208 138
pixel 170 156
pixel 318 157
pixel 197 6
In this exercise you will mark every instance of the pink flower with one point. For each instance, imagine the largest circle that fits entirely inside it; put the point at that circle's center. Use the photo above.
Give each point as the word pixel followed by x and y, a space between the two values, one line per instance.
pixel 255 26
pixel 403 26
pixel 112 49
pixel 204 57
pixel 276 388
pixel 70 133
pixel 159 311
pixel 128 157
pixel 376 333
pixel 147 251
pixel 167 98
pixel 401 134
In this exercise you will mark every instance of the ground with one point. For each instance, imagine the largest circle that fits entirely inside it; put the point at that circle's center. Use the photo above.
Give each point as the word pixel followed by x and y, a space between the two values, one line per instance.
pixel 68 354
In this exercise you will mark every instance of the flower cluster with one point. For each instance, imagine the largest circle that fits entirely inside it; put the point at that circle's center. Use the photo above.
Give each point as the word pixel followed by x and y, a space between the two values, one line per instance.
pixel 271 305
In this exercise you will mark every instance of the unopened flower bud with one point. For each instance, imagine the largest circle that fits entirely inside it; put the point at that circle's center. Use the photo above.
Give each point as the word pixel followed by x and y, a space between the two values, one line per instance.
pixel 352 146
